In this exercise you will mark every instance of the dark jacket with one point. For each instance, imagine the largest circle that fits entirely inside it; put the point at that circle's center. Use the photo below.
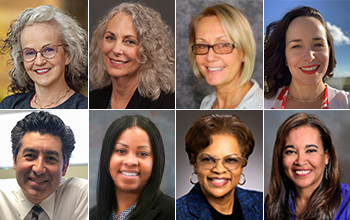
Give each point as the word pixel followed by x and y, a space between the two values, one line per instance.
pixel 194 205
pixel 99 98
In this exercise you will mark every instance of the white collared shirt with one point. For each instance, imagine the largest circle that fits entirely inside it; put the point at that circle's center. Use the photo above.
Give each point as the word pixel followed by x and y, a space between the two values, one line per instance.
pixel 69 201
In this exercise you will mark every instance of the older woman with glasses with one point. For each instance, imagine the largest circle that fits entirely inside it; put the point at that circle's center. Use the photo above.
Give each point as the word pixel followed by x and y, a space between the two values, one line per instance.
pixel 50 68
pixel 218 146
pixel 222 51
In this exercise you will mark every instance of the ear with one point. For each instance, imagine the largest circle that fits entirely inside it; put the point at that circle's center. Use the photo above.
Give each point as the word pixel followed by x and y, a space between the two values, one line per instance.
pixel 65 168
pixel 14 163
pixel 67 57
pixel 327 156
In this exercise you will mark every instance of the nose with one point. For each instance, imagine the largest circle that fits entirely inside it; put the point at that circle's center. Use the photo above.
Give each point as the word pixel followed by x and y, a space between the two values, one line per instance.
pixel 309 54
pixel 39 166
pixel 211 55
pixel 130 160
pixel 219 167
pixel 300 159
pixel 118 48
pixel 39 60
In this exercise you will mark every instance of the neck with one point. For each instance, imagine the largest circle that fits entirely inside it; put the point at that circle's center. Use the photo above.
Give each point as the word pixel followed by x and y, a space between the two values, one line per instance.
pixel 224 204
pixel 55 94
pixel 123 90
pixel 306 92
pixel 124 200
pixel 301 200
pixel 232 96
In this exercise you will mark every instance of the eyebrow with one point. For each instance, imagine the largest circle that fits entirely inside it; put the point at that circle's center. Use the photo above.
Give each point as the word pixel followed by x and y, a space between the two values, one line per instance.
pixel 307 146
pixel 138 147
pixel 49 152
pixel 126 36
pixel 299 40
pixel 218 38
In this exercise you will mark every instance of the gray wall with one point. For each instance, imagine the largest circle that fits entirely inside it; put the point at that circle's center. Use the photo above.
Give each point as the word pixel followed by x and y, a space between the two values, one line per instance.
pixel 337 121
pixel 100 120
pixel 189 92
pixel 253 171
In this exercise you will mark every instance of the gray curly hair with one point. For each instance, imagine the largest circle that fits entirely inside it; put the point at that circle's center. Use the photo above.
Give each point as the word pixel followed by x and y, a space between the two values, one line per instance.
pixel 70 34
pixel 157 54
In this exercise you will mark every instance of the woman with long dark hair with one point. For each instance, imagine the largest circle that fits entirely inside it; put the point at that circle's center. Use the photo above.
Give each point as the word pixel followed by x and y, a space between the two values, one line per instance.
pixel 305 178
pixel 130 172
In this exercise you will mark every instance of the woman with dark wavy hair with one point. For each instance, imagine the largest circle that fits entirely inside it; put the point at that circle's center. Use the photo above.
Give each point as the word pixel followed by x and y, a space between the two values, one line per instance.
pixel 130 172
pixel 305 178
pixel 298 56
pixel 48 51
pixel 132 60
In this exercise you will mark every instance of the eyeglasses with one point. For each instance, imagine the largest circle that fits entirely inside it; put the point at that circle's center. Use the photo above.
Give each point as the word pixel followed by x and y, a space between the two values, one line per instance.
pixel 48 51
pixel 221 48
pixel 231 162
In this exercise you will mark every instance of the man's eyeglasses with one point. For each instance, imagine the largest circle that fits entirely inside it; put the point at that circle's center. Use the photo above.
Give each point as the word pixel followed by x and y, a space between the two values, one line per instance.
pixel 48 51
pixel 231 162
pixel 221 48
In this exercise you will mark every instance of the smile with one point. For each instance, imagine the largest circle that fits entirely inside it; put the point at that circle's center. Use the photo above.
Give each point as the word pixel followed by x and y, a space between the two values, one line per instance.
pixel 118 62
pixel 309 69
pixel 215 69
pixel 37 181
pixel 129 174
pixel 42 71
pixel 218 182
pixel 302 172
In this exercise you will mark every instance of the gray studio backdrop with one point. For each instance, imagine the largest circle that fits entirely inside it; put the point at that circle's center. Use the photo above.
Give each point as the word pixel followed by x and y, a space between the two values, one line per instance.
pixel 100 120
pixel 189 91
pixel 253 171
pixel 338 122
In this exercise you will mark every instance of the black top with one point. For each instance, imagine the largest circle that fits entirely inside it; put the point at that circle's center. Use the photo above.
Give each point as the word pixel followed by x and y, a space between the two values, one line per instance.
pixel 99 98
pixel 236 212
pixel 22 101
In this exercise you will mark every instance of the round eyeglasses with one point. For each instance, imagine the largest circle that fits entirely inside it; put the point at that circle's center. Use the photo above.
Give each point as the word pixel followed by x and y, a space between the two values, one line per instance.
pixel 231 162
pixel 48 51
pixel 221 48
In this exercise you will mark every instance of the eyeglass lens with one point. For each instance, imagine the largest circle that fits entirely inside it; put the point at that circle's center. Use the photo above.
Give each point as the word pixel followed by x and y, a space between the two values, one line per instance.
pixel 231 162
pixel 48 51
pixel 222 48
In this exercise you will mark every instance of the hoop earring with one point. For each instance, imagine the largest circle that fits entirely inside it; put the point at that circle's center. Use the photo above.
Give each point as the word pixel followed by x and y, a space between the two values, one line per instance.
pixel 243 181
pixel 191 179
pixel 326 172
pixel 25 78
pixel 67 70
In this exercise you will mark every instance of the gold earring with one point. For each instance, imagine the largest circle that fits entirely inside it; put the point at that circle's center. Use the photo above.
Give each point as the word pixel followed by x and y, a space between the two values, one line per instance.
pixel 191 179
pixel 25 78
pixel 243 181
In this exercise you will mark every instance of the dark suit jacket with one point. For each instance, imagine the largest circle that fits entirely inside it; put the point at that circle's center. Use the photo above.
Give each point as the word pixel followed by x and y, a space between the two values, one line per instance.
pixel 99 98
pixel 194 206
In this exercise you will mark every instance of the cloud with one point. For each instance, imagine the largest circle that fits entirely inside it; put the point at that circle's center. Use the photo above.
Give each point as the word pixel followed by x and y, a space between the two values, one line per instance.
pixel 339 37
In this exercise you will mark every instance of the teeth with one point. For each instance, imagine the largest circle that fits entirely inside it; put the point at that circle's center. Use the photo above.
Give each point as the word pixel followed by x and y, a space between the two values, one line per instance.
pixel 219 180
pixel 38 181
pixel 309 68
pixel 303 171
pixel 215 68
pixel 118 62
pixel 129 174
pixel 41 71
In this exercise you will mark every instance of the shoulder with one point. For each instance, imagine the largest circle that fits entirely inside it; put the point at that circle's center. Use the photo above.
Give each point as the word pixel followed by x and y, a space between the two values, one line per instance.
pixel 98 98
pixel 17 101
pixel 269 103
pixel 73 185
pixel 166 207
pixel 251 203
pixel 254 98
pixel 208 101
pixel 251 194
pixel 76 101
pixel 338 99
pixel 166 101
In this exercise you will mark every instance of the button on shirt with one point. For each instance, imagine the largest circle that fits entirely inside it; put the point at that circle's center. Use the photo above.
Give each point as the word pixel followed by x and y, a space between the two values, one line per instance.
pixel 69 201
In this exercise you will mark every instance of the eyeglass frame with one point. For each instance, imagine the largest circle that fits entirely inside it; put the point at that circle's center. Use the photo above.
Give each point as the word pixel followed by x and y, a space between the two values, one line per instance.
pixel 217 159
pixel 41 51
pixel 233 46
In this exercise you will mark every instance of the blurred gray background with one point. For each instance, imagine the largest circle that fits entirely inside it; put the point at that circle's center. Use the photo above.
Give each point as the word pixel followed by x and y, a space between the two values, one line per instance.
pixel 338 122
pixel 253 171
pixel 100 120
pixel 189 91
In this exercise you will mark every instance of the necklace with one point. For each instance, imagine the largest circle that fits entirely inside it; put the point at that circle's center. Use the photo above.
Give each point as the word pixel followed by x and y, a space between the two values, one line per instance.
pixel 227 105
pixel 35 97
pixel 307 101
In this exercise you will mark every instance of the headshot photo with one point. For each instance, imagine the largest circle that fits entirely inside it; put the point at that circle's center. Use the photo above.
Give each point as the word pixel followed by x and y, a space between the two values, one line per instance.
pixel 306 50
pixel 305 164
pixel 132 55
pixel 219 158
pixel 47 70
pixel 132 165
pixel 44 165
pixel 219 48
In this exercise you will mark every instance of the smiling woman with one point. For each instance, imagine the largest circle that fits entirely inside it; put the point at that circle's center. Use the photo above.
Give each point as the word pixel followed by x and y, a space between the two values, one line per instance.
pixel 49 69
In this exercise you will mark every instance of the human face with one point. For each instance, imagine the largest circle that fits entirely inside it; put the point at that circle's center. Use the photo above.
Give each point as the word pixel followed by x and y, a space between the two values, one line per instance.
pixel 120 47
pixel 217 69
pixel 131 162
pixel 44 72
pixel 307 51
pixel 219 182
pixel 39 165
pixel 304 159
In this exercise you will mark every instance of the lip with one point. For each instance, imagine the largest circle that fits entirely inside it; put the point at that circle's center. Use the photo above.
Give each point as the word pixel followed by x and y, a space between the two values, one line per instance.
pixel 218 181
pixel 37 182
pixel 118 62
pixel 309 70
pixel 302 172
pixel 129 174
pixel 214 69
pixel 42 71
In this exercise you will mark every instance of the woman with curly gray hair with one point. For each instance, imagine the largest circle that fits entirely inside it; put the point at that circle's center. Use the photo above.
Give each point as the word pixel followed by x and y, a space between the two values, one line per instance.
pixel 48 52
pixel 132 60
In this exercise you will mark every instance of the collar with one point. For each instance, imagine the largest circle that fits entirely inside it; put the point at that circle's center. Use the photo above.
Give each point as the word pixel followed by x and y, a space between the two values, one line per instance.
pixel 124 214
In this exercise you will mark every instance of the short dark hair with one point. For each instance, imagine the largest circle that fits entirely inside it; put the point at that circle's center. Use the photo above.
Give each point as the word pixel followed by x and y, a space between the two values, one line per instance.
pixel 105 190
pixel 276 72
pixel 44 123
pixel 199 136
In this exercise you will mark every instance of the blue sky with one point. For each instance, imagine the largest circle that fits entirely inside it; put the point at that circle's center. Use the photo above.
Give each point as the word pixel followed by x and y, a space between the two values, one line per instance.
pixel 337 17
